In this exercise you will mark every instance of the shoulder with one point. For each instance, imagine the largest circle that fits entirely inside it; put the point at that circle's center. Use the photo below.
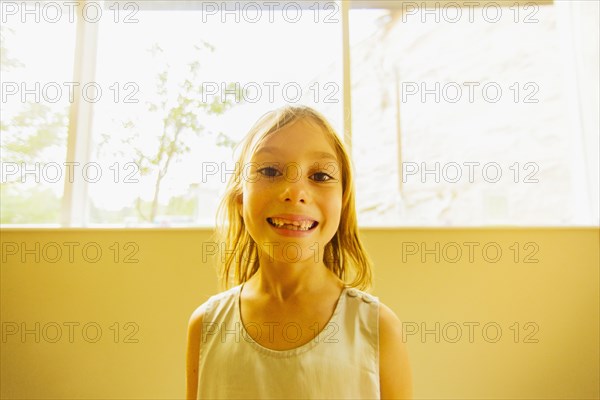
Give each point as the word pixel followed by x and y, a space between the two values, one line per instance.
pixel 200 313
pixel 394 367
pixel 194 331
pixel 389 323
pixel 391 341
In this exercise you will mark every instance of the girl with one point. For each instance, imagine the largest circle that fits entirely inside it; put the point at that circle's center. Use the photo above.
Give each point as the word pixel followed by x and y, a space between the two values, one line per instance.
pixel 292 327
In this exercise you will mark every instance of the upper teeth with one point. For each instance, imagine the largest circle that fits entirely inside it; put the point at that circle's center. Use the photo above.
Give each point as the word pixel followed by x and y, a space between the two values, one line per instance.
pixel 303 225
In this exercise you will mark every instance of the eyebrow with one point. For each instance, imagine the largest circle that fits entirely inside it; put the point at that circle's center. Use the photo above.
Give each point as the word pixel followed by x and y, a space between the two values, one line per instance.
pixel 316 154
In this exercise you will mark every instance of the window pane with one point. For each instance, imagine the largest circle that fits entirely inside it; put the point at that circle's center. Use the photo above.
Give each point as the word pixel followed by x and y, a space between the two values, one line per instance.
pixel 177 86
pixel 460 117
pixel 36 62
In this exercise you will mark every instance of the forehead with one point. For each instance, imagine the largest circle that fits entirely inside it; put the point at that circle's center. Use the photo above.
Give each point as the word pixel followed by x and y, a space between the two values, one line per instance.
pixel 300 138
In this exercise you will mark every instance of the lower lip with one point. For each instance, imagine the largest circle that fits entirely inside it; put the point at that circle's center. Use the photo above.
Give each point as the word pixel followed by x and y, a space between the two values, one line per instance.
pixel 289 232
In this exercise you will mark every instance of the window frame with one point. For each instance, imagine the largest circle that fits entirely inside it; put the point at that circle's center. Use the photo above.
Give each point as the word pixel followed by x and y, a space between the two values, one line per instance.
pixel 74 207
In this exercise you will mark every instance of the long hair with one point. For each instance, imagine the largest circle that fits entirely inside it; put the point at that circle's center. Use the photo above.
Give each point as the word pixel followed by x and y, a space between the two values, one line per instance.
pixel 343 251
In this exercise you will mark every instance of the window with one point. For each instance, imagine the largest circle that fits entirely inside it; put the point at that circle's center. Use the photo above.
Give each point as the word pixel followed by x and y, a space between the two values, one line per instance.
pixel 37 72
pixel 460 116
pixel 456 115
pixel 189 93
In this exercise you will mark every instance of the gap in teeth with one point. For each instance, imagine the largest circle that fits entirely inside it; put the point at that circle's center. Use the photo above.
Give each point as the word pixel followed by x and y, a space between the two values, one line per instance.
pixel 294 226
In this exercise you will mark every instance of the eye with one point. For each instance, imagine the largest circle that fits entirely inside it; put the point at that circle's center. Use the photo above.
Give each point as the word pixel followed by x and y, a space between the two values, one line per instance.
pixel 269 172
pixel 323 177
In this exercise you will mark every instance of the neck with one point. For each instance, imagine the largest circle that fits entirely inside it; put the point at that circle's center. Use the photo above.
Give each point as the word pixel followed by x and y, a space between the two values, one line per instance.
pixel 282 281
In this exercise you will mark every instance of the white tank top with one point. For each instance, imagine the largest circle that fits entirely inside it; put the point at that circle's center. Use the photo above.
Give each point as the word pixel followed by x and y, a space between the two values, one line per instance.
pixel 341 362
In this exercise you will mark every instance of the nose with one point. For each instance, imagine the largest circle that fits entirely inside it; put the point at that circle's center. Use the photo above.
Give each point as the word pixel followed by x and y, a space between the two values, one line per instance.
pixel 295 192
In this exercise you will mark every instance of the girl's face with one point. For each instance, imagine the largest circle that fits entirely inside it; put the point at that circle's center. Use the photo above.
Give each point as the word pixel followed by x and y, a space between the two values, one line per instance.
pixel 292 193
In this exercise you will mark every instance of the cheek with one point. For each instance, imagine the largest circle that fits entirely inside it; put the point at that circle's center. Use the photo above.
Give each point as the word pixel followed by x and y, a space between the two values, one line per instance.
pixel 255 200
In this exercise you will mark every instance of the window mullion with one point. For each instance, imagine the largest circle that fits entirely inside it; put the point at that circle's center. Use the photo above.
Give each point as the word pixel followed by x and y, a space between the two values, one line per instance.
pixel 75 201
pixel 347 84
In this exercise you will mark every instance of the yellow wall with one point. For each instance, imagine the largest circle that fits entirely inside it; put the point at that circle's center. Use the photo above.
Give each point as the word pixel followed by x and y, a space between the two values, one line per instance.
pixel 559 295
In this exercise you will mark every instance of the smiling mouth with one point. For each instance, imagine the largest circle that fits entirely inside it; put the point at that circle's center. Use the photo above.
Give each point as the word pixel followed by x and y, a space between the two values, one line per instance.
pixel 293 226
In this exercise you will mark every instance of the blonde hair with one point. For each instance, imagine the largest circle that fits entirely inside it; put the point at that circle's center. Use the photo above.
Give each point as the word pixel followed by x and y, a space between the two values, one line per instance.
pixel 345 248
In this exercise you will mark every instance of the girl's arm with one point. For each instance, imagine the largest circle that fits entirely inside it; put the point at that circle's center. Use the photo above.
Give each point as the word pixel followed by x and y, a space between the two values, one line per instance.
pixel 194 336
pixel 395 377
